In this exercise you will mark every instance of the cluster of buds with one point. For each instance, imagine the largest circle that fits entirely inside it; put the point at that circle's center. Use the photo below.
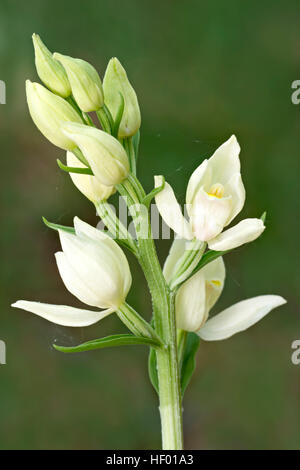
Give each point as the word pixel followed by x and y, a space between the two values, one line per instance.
pixel 73 88
pixel 92 265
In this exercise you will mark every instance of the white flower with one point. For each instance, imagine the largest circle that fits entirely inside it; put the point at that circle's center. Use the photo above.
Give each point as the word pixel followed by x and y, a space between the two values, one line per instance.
pixel 85 82
pixel 214 196
pixel 49 112
pixel 198 295
pixel 88 184
pixel 115 82
pixel 105 155
pixel 94 269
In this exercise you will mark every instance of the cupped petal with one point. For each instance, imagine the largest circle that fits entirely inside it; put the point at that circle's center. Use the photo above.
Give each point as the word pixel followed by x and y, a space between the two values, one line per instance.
pixel 63 314
pixel 244 232
pixel 239 317
pixel 88 185
pixel 121 261
pixel 170 210
pixel 177 249
pixel 235 188
pixel 77 285
pixel 97 265
pixel 225 161
pixel 201 177
pixel 209 215
pixel 214 274
pixel 190 304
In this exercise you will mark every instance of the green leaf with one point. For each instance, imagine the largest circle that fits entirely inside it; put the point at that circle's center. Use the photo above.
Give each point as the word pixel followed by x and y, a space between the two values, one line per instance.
pixel 147 199
pixel 58 227
pixel 119 116
pixel 189 360
pixel 152 369
pixel 107 342
pixel 74 169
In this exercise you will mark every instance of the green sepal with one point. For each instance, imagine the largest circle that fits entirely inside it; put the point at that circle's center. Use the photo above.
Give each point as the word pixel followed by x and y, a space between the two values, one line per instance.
pixel 58 227
pixel 71 169
pixel 119 116
pixel 107 342
pixel 152 369
pixel 148 198
pixel 189 360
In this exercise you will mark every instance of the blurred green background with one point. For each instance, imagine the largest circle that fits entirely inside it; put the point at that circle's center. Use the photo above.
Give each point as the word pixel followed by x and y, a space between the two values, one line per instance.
pixel 202 71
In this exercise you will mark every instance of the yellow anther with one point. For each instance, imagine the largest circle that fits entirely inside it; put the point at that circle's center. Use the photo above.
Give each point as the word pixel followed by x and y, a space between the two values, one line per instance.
pixel 216 190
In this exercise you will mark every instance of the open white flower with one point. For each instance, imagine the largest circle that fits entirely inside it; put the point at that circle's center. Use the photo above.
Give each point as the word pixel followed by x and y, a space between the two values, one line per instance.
pixel 94 269
pixel 198 295
pixel 215 195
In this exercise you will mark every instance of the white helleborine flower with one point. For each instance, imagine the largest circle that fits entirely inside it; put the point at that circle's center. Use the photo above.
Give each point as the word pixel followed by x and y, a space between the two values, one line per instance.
pixel 198 295
pixel 88 185
pixel 50 71
pixel 115 82
pixel 215 195
pixel 85 82
pixel 94 269
pixel 105 155
pixel 49 112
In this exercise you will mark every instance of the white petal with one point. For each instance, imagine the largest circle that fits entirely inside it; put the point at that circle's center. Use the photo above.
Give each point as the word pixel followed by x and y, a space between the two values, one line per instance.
pixel 95 234
pixel 88 185
pixel 98 266
pixel 75 284
pixel 239 317
pixel 170 210
pixel 244 232
pixel 209 215
pixel 225 161
pixel 190 304
pixel 214 274
pixel 200 177
pixel 63 314
pixel 235 188
pixel 177 249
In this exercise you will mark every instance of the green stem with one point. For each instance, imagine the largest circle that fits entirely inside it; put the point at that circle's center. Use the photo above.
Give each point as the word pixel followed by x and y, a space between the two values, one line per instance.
pixel 128 145
pixel 164 321
pixel 181 343
pixel 104 121
pixel 188 262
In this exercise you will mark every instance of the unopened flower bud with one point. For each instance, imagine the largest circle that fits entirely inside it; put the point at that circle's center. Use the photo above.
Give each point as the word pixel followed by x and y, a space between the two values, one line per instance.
pixel 50 71
pixel 105 155
pixel 85 82
pixel 49 112
pixel 115 82
pixel 88 185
